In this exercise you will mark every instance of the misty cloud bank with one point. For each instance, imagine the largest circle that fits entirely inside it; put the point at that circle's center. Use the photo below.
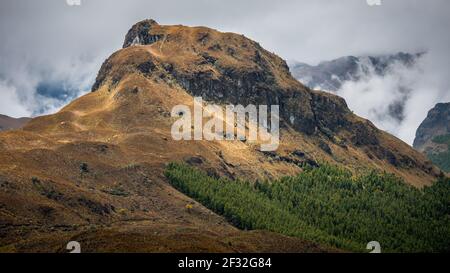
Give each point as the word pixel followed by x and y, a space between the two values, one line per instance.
pixel 398 100
pixel 394 91
pixel 50 52
pixel 30 91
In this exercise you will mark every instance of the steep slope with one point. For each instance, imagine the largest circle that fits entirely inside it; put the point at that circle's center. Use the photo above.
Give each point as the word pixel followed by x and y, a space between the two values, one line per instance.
pixel 9 123
pixel 433 136
pixel 96 167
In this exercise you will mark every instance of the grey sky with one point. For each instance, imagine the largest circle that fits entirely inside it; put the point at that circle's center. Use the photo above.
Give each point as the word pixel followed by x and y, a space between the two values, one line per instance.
pixel 49 46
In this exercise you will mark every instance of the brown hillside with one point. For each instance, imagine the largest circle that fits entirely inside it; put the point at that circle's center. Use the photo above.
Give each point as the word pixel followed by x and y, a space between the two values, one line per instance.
pixel 95 169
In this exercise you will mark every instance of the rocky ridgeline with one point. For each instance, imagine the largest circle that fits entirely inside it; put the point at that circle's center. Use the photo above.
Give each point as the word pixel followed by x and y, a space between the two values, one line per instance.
pixel 307 111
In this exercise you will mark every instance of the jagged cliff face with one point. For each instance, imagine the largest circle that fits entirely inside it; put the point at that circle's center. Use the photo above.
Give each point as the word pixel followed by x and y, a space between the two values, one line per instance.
pixel 100 160
pixel 433 136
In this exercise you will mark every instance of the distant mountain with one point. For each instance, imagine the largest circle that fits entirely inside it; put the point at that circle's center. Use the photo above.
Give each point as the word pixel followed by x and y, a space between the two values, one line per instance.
pixel 433 136
pixel 8 123
pixel 330 75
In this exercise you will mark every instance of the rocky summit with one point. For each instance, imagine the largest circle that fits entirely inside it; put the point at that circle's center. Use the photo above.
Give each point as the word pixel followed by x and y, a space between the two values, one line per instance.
pixel 95 170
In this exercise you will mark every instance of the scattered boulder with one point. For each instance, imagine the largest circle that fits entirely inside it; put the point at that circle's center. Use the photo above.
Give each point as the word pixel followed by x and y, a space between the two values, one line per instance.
pixel 195 160
pixel 325 147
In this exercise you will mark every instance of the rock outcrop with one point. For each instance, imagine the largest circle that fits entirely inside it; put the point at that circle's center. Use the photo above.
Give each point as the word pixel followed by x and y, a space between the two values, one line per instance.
pixel 433 136
pixel 139 34
pixel 436 123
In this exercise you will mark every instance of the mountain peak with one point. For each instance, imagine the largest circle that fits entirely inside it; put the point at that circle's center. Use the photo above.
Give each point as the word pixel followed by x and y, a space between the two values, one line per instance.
pixel 139 34
pixel 183 62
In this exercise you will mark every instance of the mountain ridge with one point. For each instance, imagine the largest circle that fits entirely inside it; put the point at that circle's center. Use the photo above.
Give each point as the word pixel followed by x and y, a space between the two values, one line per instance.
pixel 329 75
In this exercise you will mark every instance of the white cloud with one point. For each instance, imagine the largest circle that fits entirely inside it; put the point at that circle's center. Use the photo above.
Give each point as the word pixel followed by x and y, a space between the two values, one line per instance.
pixel 415 88
pixel 10 102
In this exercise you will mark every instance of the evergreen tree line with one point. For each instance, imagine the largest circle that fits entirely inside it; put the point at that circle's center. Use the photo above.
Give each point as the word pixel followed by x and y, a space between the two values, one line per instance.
pixel 330 205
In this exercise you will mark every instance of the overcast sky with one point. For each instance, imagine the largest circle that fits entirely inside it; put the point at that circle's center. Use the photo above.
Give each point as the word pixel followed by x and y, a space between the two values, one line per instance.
pixel 50 52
